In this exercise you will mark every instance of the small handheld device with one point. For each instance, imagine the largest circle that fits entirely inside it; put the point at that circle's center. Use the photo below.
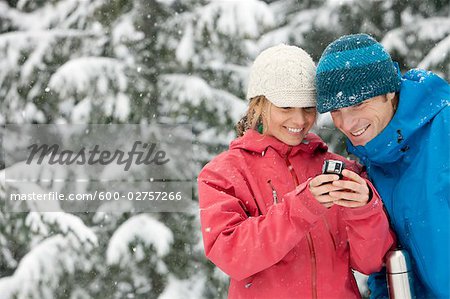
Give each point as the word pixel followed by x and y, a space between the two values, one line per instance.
pixel 333 167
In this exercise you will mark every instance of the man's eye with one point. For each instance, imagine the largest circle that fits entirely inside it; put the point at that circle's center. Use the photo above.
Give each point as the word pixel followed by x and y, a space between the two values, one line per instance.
pixel 309 109
pixel 287 108
pixel 359 104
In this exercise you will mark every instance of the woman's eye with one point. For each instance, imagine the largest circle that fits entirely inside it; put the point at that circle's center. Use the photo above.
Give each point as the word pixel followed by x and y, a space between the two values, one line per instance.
pixel 309 109
pixel 287 108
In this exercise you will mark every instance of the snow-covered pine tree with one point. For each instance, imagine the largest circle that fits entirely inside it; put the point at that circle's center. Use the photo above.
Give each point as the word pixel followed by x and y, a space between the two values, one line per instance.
pixel 78 62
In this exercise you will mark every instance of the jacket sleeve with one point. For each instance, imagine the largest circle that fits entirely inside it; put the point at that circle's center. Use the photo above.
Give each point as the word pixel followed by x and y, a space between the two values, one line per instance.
pixel 368 234
pixel 242 245
pixel 435 269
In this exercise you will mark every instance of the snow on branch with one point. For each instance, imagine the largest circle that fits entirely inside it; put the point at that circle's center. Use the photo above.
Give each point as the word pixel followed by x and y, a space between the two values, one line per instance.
pixel 195 90
pixel 100 80
pixel 69 225
pixel 437 55
pixel 217 23
pixel 191 288
pixel 40 271
pixel 299 26
pixel 123 33
pixel 24 178
pixel 77 75
pixel 37 43
pixel 186 50
pixel 62 14
pixel 235 18
pixel 432 28
pixel 429 30
pixel 394 40
pixel 142 228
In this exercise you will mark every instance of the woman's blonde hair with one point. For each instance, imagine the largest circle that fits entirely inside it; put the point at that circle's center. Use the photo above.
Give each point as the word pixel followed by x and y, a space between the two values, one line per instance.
pixel 255 116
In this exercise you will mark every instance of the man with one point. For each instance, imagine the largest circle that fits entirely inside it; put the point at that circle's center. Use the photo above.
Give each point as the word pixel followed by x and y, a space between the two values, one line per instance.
pixel 399 127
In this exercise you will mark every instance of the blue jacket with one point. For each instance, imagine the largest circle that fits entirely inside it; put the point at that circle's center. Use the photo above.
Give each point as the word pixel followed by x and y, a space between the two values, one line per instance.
pixel 409 165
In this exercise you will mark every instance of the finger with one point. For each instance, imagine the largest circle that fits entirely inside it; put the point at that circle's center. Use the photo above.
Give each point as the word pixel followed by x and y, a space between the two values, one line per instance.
pixel 324 189
pixel 352 176
pixel 351 185
pixel 350 196
pixel 324 199
pixel 328 205
pixel 349 204
pixel 323 178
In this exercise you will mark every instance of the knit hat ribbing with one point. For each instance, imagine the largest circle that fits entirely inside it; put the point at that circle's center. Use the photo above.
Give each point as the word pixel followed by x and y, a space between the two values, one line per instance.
pixel 352 69
pixel 285 76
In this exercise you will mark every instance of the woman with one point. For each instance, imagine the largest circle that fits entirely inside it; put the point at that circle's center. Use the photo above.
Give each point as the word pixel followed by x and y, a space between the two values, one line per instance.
pixel 270 219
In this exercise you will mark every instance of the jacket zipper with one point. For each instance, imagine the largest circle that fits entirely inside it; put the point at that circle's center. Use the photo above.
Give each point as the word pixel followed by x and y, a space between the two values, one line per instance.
pixel 313 266
pixel 274 192
pixel 308 236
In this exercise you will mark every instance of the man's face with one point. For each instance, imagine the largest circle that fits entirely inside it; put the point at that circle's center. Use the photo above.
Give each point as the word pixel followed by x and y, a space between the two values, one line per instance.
pixel 364 121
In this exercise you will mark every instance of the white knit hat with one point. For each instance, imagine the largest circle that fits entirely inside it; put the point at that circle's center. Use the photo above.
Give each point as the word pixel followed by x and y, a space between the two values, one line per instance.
pixel 285 76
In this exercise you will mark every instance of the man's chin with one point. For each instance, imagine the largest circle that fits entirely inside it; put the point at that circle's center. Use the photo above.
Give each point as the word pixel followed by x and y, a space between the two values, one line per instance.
pixel 356 141
pixel 359 142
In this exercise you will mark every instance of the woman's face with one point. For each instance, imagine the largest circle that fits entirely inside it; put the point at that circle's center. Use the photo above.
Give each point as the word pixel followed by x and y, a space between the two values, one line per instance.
pixel 290 125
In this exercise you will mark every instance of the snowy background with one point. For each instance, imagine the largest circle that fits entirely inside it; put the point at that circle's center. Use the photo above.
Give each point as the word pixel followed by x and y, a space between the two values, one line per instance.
pixel 159 61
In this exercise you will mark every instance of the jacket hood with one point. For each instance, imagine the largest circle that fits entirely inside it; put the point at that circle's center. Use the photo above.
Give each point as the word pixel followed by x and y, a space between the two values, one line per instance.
pixel 258 143
pixel 422 95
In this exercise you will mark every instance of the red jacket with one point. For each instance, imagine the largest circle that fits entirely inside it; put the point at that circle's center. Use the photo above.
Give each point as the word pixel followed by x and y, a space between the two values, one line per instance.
pixel 262 226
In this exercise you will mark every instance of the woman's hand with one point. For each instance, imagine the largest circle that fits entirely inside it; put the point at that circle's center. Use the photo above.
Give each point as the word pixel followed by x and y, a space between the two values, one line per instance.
pixel 351 193
pixel 328 189
pixel 321 186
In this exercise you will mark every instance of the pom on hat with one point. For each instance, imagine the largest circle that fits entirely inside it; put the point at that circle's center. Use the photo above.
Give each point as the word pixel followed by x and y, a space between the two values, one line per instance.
pixel 285 76
pixel 352 69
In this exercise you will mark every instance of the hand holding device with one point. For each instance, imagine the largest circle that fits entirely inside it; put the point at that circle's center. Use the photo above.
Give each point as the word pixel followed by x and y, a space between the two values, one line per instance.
pixel 337 185
pixel 321 186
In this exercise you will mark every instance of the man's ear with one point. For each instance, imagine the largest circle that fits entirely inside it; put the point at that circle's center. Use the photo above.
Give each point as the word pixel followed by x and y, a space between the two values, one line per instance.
pixel 393 99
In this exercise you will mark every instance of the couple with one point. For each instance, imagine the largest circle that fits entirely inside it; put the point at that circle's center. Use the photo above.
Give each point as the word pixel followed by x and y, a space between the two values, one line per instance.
pixel 281 229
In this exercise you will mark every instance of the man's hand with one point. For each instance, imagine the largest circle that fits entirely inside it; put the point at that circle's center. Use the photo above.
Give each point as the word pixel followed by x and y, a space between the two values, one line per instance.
pixel 351 193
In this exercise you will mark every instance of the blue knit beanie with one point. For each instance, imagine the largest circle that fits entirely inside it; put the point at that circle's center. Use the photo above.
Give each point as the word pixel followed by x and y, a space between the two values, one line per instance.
pixel 352 69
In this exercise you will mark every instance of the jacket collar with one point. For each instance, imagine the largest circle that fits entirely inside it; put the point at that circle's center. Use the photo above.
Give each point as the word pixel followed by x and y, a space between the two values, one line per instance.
pixel 255 142
pixel 422 96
